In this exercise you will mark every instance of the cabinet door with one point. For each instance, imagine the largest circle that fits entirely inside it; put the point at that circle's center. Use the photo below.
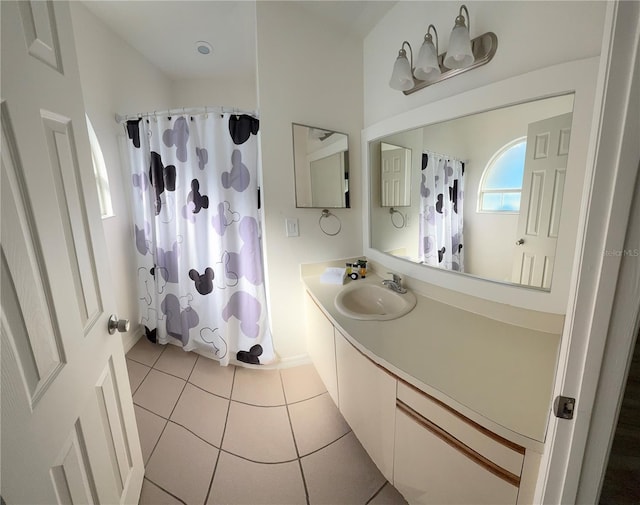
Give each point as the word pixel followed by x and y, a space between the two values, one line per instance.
pixel 321 346
pixel 367 402
pixel 429 470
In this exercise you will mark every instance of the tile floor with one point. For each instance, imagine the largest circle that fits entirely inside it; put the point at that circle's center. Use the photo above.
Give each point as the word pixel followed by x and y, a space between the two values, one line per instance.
pixel 231 435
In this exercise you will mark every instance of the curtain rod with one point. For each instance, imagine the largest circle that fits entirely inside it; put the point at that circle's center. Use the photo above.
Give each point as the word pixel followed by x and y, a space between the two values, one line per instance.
pixel 445 156
pixel 121 118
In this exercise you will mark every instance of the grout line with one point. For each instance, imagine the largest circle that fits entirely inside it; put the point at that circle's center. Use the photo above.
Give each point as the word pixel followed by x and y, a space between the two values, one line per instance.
pixel 310 398
pixel 226 451
pixel 133 392
pixel 168 492
pixel 377 492
pixel 224 429
pixel 325 446
pixel 295 444
pixel 212 394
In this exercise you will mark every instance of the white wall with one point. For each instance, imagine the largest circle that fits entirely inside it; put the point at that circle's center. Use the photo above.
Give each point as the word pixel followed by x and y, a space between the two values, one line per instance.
pixel 234 91
pixel 116 78
pixel 309 74
pixel 531 35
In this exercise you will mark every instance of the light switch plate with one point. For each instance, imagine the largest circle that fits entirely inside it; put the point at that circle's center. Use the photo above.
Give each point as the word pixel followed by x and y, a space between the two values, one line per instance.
pixel 291 225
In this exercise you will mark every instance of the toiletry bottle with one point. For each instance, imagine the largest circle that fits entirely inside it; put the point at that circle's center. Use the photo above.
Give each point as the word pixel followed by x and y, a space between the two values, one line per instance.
pixel 349 268
pixel 363 268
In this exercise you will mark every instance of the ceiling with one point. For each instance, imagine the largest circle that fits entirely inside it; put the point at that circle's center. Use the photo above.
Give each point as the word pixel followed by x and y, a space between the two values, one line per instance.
pixel 165 32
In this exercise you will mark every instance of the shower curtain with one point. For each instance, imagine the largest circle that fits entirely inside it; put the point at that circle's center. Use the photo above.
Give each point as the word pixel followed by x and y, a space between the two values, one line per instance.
pixel 441 211
pixel 197 234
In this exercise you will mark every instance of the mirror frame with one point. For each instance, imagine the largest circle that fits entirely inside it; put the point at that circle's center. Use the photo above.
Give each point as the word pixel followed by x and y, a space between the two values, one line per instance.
pixel 579 77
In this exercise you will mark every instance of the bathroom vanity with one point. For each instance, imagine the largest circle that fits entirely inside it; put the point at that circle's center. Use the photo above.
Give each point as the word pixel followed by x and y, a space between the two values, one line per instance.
pixel 452 406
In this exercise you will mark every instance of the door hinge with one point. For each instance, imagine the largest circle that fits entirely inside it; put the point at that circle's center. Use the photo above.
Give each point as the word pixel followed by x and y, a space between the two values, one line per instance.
pixel 563 407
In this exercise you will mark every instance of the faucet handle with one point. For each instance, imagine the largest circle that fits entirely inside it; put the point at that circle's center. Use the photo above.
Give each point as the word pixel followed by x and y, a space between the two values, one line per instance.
pixel 396 278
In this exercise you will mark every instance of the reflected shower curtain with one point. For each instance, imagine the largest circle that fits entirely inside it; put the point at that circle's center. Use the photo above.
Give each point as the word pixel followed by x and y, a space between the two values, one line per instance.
pixel 197 234
pixel 441 211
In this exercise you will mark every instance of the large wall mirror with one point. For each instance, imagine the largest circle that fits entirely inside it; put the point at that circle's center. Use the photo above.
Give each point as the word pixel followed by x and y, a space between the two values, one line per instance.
pixel 485 192
pixel 321 167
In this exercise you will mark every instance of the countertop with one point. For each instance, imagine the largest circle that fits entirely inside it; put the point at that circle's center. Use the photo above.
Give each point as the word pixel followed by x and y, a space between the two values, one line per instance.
pixel 498 374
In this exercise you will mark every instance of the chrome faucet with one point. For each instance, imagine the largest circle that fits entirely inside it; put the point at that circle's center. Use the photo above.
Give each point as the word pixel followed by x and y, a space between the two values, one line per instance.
pixel 395 284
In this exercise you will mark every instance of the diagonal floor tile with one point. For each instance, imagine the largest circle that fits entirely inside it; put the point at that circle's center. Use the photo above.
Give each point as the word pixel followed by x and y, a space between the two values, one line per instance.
pixel 301 383
pixel 137 373
pixel 389 495
pixel 159 393
pixel 258 387
pixel 182 464
pixel 145 352
pixel 202 413
pixel 210 376
pixel 341 473
pixel 150 428
pixel 176 362
pixel 261 434
pixel 316 422
pixel 153 495
pixel 238 481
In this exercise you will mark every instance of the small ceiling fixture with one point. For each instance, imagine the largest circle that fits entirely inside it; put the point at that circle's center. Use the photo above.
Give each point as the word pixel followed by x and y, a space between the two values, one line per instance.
pixel 463 55
pixel 203 47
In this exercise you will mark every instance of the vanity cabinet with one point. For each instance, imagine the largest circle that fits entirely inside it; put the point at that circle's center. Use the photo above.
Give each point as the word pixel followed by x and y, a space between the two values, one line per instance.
pixel 442 457
pixel 431 452
pixel 367 402
pixel 321 346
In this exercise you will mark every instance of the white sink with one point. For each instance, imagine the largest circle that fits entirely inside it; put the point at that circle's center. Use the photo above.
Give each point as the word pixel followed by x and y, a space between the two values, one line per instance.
pixel 373 302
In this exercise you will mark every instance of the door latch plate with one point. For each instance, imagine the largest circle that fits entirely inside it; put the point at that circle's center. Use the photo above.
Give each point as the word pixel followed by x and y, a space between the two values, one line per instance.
pixel 563 407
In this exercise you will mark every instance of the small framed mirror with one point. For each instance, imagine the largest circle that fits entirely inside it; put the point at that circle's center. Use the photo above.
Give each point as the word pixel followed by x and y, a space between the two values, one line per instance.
pixel 321 167
pixel 395 175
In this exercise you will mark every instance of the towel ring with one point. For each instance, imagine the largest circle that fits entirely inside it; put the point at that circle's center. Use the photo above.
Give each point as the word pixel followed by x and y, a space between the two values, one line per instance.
pixel 393 212
pixel 326 214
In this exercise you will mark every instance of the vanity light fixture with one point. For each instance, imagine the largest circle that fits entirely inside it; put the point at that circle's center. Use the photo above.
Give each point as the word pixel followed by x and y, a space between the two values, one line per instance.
pixel 459 54
pixel 401 77
pixel 463 55
pixel 427 66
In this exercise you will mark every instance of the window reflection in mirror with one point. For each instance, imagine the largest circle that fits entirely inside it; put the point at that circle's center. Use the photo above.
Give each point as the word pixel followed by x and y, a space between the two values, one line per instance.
pixel 513 246
pixel 321 167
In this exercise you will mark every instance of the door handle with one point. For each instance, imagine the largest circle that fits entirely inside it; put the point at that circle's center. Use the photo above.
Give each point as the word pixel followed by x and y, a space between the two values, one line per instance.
pixel 122 325
pixel 520 241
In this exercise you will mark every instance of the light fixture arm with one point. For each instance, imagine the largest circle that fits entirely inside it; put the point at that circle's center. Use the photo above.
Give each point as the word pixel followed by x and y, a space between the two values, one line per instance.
pixel 461 18
pixel 404 53
pixel 429 36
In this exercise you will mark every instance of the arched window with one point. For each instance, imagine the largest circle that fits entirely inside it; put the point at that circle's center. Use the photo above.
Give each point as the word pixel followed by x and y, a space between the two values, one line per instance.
pixel 100 172
pixel 501 182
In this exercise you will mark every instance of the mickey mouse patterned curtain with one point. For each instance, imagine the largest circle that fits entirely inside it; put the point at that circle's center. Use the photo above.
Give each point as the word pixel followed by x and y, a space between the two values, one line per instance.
pixel 441 210
pixel 197 234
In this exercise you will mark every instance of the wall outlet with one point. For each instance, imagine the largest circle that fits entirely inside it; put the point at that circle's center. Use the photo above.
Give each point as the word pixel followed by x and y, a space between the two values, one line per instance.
pixel 291 227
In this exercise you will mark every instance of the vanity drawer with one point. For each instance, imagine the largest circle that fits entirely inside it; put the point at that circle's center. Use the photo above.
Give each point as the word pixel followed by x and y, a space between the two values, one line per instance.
pixel 503 457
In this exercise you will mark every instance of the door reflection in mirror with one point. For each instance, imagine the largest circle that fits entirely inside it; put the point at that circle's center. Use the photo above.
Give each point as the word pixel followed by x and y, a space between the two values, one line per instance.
pixel 321 167
pixel 490 249
pixel 395 175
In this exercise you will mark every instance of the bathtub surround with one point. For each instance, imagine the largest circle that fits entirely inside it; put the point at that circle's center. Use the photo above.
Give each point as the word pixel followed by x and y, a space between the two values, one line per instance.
pixel 197 234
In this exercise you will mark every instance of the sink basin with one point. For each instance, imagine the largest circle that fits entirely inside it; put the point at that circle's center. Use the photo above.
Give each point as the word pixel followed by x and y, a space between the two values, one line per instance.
pixel 373 302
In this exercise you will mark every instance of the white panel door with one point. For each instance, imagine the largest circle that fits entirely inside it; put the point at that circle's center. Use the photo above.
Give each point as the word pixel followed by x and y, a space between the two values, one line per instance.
pixel 396 178
pixel 68 427
pixel 542 189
